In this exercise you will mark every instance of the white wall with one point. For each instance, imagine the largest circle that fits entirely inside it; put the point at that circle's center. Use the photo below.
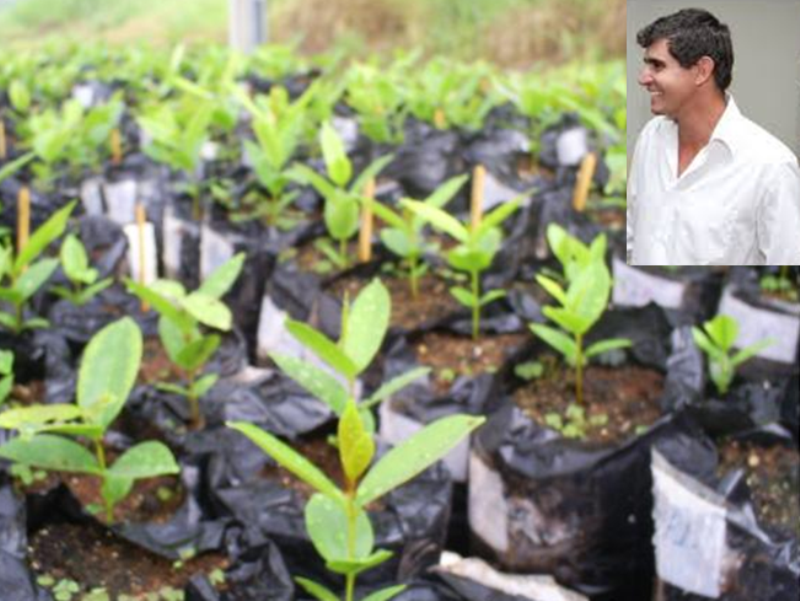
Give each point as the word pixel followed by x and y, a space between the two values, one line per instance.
pixel 766 68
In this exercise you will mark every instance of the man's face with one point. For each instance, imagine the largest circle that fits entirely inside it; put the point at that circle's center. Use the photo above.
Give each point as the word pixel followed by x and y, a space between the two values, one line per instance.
pixel 669 84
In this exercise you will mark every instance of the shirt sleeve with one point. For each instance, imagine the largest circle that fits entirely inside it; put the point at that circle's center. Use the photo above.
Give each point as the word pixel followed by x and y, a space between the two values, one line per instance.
pixel 631 208
pixel 779 217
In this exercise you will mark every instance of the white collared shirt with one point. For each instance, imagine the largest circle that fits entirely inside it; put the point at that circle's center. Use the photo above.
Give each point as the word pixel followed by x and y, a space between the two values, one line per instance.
pixel 738 202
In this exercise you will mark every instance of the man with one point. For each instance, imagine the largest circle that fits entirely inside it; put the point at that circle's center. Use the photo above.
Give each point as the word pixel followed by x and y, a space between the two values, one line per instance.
pixel 707 185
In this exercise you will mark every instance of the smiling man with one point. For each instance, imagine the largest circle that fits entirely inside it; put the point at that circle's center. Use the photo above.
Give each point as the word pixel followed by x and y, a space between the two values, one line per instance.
pixel 707 185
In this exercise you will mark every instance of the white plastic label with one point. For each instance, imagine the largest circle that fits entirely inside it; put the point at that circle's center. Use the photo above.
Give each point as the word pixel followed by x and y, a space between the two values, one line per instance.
pixel 173 230
pixel 572 146
pixel 215 250
pixel 347 128
pixel 495 192
pixel 636 288
pixel 690 532
pixel 134 255
pixel 208 151
pixel 121 201
pixel 91 196
pixel 757 324
pixel 84 94
pixel 488 510
pixel 396 428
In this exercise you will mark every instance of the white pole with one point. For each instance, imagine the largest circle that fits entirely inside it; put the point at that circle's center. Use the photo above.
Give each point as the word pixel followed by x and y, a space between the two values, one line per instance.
pixel 247 24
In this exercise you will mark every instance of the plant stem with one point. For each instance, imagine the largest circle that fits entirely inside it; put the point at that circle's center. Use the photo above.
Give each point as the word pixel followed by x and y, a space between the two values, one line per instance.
pixel 476 305
pixel 412 268
pixel 191 397
pixel 343 252
pixel 101 460
pixel 579 368
pixel 352 512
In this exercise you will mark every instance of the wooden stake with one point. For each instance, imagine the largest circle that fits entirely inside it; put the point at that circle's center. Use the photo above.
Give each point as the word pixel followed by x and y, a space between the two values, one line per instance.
pixel 116 146
pixel 367 221
pixel 584 182
pixel 3 151
pixel 439 119
pixel 23 218
pixel 141 219
pixel 476 206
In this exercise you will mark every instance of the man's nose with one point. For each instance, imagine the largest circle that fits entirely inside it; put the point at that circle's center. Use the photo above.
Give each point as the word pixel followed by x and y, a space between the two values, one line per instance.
pixel 645 78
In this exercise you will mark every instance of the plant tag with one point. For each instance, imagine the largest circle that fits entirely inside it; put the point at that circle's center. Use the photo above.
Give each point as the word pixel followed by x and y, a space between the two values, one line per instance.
pixel 91 196
pixel 121 201
pixel 174 230
pixel 347 128
pixel 488 510
pixel 247 160
pixel 496 193
pixel 215 250
pixel 690 531
pixel 571 147
pixel 209 150
pixel 396 427
pixel 84 94
pixel 150 256
pixel 756 324
pixel 637 288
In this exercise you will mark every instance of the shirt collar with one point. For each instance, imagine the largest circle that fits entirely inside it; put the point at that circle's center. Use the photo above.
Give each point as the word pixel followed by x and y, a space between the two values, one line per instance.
pixel 728 126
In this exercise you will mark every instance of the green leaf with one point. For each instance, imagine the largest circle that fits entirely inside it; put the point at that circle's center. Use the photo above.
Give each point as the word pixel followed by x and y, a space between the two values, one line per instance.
pixel 42 237
pixel 33 278
pixel 552 288
pixel 705 343
pixel 339 168
pixel 145 460
pixel 11 168
pixel 305 175
pixel 371 172
pixel 108 370
pixel 723 330
pixel 751 351
pixel 172 388
pixel 327 525
pixel 571 322
pixel 288 458
pixel 163 305
pixel 394 385
pixel 491 296
pixel 323 347
pixel 356 566
pixel 204 384
pixel 415 455
pixel 367 324
pixel 223 277
pixel 341 216
pixel 75 262
pixel 90 291
pixel 464 296
pixel 172 338
pixel 316 381
pixel 52 453
pixel 496 217
pixel 115 488
pixel 31 418
pixel 19 95
pixel 604 346
pixel 319 591
pixel 588 293
pixel 197 353
pixel 558 340
pixel 208 310
pixel 356 447
pixel 386 214
pixel 397 241
pixel 385 594
pixel 444 193
pixel 438 219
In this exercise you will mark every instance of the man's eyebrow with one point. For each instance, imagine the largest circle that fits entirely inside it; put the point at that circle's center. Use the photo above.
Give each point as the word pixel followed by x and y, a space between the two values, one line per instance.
pixel 654 62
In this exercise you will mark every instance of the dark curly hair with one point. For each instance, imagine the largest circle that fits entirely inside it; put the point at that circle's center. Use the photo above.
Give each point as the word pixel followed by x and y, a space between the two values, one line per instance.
pixel 691 34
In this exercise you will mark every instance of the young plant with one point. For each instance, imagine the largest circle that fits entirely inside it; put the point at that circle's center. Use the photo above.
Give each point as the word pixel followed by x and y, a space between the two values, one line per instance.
pixel 341 203
pixel 364 326
pixel 572 253
pixel 336 519
pixel 181 315
pixel 107 374
pixel 717 338
pixel 404 234
pixel 6 374
pixel 582 305
pixel 21 275
pixel 78 271
pixel 474 253
pixel 780 284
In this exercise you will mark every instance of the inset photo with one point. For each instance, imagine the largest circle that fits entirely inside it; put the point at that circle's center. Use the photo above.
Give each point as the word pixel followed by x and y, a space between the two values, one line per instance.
pixel 713 132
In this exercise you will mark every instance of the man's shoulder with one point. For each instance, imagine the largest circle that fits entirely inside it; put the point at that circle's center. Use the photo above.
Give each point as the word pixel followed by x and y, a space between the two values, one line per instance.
pixel 654 126
pixel 761 147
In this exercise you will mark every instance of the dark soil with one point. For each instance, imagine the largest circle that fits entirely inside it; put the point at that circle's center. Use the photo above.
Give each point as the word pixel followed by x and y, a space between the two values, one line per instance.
pixel 156 365
pixel 32 393
pixel 451 356
pixel 627 395
pixel 773 475
pixel 94 557
pixel 433 301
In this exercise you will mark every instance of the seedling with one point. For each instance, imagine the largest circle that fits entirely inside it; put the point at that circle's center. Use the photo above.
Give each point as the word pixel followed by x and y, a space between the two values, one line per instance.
pixel 780 284
pixel 363 327
pixel 336 519
pixel 341 202
pixel 582 305
pixel 571 252
pixel 6 374
pixel 83 277
pixel 181 315
pixel 107 373
pixel 574 423
pixel 530 370
pixel 21 275
pixel 404 236
pixel 717 338
pixel 475 252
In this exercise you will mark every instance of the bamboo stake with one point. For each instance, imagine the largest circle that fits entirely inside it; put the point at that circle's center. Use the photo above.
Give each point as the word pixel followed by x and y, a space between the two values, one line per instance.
pixel 141 219
pixel 476 206
pixel 3 151
pixel 23 218
pixel 367 222
pixel 584 182
pixel 439 119
pixel 116 146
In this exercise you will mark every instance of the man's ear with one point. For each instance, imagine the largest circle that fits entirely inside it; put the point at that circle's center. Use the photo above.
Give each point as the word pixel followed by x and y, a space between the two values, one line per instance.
pixel 705 70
